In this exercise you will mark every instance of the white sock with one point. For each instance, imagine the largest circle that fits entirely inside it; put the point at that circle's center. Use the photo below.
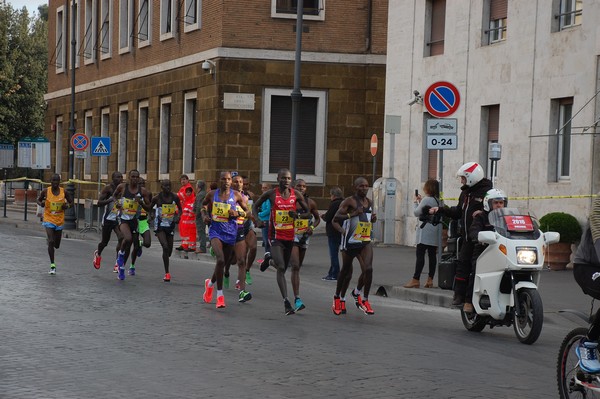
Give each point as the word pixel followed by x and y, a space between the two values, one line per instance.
pixel 210 283
pixel 219 293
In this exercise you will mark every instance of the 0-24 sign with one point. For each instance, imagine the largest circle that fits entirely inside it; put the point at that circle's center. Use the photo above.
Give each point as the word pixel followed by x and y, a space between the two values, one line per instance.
pixel 442 142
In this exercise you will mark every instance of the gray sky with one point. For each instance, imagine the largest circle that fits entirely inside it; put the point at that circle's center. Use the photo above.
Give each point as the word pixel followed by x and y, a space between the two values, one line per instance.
pixel 31 5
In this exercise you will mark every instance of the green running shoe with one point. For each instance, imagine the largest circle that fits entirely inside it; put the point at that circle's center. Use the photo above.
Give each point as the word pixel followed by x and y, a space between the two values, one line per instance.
pixel 245 296
pixel 248 278
pixel 226 282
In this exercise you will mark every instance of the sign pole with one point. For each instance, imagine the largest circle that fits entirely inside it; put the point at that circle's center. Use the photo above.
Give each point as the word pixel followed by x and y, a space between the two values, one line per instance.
pixel 441 169
pixel 374 154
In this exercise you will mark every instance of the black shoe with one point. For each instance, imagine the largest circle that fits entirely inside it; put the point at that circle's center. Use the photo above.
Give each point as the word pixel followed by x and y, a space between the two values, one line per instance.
pixel 265 265
pixel 458 300
pixel 288 308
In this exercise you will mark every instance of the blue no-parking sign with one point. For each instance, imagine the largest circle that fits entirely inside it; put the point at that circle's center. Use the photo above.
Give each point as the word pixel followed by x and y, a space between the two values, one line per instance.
pixel 101 146
pixel 441 99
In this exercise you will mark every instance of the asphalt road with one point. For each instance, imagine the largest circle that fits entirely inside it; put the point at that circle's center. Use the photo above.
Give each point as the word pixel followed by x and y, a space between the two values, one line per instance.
pixel 85 334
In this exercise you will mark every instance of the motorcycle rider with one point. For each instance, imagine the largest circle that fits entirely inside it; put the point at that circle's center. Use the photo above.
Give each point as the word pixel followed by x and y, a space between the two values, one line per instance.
pixel 494 199
pixel 586 269
pixel 474 186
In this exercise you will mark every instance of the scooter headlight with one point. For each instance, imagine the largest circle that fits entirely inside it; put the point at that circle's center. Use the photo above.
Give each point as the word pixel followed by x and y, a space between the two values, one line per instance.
pixel 526 256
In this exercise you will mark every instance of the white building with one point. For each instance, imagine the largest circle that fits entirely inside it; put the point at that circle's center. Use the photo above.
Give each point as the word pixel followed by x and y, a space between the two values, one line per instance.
pixel 523 69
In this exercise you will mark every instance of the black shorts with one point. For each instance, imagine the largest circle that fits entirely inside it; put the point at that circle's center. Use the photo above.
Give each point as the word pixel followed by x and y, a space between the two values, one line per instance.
pixel 287 249
pixel 588 278
pixel 109 224
pixel 168 230
pixel 133 224
pixel 353 252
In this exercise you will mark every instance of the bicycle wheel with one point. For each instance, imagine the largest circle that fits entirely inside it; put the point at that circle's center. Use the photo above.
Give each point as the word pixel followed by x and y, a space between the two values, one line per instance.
pixel 567 371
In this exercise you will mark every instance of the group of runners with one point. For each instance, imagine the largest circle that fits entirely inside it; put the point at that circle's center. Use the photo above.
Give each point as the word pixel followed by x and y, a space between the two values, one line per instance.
pixel 228 211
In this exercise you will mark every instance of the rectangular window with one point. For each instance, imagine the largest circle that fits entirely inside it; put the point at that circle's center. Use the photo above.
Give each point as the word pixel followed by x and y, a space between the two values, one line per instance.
pixel 104 132
pixel 312 9
pixel 142 143
pixel 61 40
pixel 105 30
pixel 59 145
pixel 144 21
pixel 191 17
pixel 87 163
pixel 436 28
pixel 497 21
pixel 570 13
pixel 89 40
pixel 168 13
pixel 122 147
pixel 189 133
pixel 165 137
pixel 565 112
pixel 491 121
pixel 310 145
pixel 125 26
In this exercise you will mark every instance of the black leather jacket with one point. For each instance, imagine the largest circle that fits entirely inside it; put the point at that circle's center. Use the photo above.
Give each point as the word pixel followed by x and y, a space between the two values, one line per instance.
pixel 469 201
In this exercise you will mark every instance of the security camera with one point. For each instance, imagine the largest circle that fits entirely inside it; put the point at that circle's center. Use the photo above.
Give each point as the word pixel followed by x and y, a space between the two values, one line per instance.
pixel 206 66
pixel 417 98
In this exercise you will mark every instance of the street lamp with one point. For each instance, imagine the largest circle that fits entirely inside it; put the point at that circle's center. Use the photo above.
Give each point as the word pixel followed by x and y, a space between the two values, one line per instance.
pixel 495 153
pixel 296 93
pixel 70 188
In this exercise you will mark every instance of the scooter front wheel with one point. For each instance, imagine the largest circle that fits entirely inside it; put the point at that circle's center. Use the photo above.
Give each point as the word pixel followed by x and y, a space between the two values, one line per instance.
pixel 528 325
pixel 472 321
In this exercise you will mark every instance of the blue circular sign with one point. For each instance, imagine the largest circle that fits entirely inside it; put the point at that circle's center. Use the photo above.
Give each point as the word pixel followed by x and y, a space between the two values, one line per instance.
pixel 441 99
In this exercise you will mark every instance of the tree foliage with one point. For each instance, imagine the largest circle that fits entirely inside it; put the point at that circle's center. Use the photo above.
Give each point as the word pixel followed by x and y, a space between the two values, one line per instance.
pixel 23 72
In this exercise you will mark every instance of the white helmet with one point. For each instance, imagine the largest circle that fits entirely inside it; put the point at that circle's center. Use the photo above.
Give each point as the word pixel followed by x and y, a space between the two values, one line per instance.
pixel 472 171
pixel 491 195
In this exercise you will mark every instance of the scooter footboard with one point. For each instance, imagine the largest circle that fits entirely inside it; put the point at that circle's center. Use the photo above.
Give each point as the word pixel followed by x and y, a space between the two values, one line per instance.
pixel 494 303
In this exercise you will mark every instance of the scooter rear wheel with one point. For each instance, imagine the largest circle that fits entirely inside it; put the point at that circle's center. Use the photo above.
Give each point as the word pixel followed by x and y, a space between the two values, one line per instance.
pixel 473 322
pixel 528 325
pixel 568 372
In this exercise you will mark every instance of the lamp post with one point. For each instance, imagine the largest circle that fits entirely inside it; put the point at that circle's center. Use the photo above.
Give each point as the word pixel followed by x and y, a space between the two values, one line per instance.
pixel 495 152
pixel 70 188
pixel 296 93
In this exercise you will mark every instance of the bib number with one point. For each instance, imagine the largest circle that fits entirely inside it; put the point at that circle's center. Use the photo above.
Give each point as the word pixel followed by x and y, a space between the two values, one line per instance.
pixel 300 226
pixel 362 232
pixel 220 212
pixel 167 212
pixel 130 206
pixel 283 221
pixel 56 207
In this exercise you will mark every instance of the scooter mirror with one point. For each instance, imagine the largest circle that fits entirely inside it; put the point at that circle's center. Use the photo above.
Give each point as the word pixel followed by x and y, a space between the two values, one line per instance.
pixel 487 237
pixel 551 237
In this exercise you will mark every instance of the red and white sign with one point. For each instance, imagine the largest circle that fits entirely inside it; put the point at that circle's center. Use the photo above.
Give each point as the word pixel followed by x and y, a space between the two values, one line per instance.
pixel 518 223
pixel 441 99
pixel 80 142
pixel 374 145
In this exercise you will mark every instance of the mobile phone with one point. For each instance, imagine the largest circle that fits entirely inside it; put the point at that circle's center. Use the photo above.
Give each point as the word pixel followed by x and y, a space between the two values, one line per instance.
pixel 416 192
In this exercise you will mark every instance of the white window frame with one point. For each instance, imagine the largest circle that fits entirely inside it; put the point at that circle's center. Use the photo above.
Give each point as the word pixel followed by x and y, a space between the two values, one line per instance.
pixel 61 40
pixel 163 145
pixel 497 32
pixel 320 136
pixel 104 132
pixel 91 24
pixel 125 26
pixel 564 138
pixel 189 131
pixel 89 131
pixel 164 35
pixel 142 139
pixel 189 26
pixel 320 17
pixel 59 145
pixel 570 6
pixel 122 145
pixel 143 42
pixel 106 11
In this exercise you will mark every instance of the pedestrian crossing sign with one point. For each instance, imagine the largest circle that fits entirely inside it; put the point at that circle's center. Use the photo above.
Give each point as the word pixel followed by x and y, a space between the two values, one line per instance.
pixel 101 146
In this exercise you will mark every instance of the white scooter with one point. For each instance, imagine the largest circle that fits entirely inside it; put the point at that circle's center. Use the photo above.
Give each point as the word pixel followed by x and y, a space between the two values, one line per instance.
pixel 508 273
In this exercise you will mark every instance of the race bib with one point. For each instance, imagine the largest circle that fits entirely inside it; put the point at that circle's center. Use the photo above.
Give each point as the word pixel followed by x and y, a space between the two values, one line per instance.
pixel 130 206
pixel 56 207
pixel 300 226
pixel 240 219
pixel 220 212
pixel 362 232
pixel 168 211
pixel 283 220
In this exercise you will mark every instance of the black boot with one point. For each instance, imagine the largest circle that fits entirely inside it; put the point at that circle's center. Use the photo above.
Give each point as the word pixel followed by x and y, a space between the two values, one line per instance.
pixel 460 287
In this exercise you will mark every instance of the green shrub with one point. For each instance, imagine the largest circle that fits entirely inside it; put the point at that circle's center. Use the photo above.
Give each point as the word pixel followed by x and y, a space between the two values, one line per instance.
pixel 563 223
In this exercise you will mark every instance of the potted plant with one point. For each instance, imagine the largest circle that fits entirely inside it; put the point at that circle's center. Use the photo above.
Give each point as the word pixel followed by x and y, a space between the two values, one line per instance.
pixel 558 255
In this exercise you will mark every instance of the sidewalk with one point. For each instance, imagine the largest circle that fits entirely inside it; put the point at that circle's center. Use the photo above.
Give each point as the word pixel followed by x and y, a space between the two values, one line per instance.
pixel 393 266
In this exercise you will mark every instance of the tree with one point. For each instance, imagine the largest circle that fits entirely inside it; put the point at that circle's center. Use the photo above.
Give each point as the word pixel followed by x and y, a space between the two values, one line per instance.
pixel 23 72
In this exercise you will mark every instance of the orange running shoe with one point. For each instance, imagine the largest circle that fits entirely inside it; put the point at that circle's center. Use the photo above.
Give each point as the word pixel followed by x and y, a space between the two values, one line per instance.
pixel 97 260
pixel 367 308
pixel 337 306
pixel 167 278
pixel 220 301
pixel 208 292
pixel 343 306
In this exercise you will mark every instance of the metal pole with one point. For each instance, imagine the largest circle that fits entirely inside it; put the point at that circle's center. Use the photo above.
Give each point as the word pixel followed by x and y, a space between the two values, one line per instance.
pixel 296 93
pixel 374 168
pixel 5 188
pixel 441 173
pixel 70 188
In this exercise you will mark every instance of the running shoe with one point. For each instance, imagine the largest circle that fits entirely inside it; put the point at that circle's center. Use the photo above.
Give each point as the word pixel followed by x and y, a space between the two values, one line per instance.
pixel 208 292
pixel 179 248
pixel 298 305
pixel 120 259
pixel 248 278
pixel 337 306
pixel 139 252
pixel 245 296
pixel 238 286
pixel 587 352
pixel 226 282
pixel 357 300
pixel 97 260
pixel 367 308
pixel 116 268
pixel 343 304
pixel 220 301
pixel 52 271
pixel 121 274
pixel 132 270
pixel 288 307
pixel 167 278
pixel 265 264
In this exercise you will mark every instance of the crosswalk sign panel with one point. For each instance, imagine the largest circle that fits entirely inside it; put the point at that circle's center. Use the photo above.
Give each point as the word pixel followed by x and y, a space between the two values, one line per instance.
pixel 100 146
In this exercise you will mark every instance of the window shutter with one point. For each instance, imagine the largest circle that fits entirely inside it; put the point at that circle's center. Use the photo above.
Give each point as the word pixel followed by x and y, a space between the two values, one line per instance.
pixel 438 26
pixel 493 122
pixel 498 9
pixel 432 164
pixel 281 124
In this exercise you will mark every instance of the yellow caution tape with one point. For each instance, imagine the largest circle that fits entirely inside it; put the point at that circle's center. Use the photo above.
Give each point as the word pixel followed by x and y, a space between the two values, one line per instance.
pixel 539 197
pixel 32 180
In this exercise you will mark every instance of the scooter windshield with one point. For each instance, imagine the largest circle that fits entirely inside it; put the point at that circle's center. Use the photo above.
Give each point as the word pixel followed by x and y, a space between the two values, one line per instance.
pixel 515 223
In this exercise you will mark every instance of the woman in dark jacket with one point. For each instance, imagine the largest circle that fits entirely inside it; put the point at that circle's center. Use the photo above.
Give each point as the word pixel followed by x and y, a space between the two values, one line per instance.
pixel 334 237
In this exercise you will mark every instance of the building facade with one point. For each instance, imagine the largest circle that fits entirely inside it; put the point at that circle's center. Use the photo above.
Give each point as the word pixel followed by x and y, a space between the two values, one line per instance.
pixel 200 86
pixel 528 75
